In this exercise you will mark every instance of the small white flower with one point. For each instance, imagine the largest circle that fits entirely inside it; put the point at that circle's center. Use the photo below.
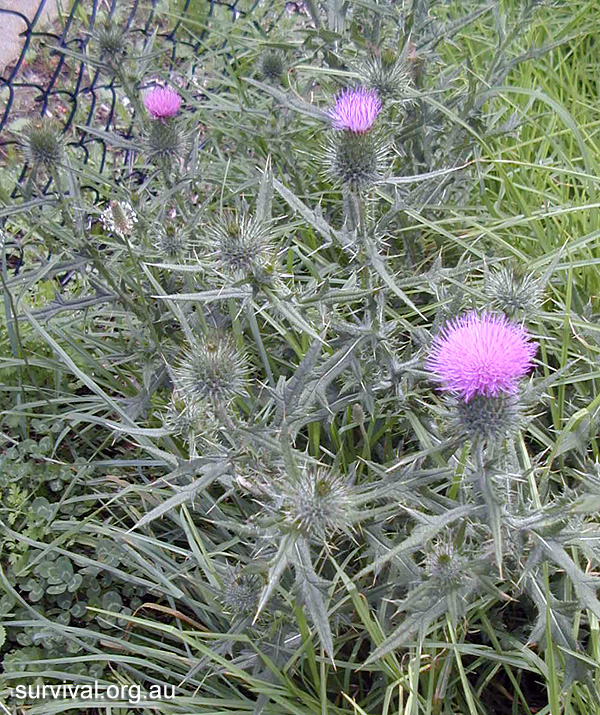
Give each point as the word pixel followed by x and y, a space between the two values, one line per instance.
pixel 119 217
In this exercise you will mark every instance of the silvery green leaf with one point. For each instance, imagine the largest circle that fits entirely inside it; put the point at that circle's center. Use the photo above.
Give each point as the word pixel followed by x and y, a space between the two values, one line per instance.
pixel 311 587
pixel 276 569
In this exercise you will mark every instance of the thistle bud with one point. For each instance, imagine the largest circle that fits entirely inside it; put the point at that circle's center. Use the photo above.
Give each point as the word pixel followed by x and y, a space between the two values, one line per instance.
pixel 271 65
pixel 242 247
pixel 444 564
pixel 213 370
pixel 195 423
pixel 512 291
pixel 317 504
pixel 240 592
pixel 42 145
pixel 386 74
pixel 181 418
pixel 111 43
pixel 170 243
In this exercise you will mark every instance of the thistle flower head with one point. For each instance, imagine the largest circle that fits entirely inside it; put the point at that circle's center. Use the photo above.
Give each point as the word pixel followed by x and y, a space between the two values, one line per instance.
pixel 481 355
pixel 319 503
pixel 355 110
pixel 213 370
pixel 512 291
pixel 42 144
pixel 162 102
pixel 242 246
pixel 119 217
pixel 170 243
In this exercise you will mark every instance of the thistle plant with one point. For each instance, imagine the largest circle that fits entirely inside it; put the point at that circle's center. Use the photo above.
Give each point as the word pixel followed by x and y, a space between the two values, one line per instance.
pixel 225 458
pixel 164 137
pixel 479 359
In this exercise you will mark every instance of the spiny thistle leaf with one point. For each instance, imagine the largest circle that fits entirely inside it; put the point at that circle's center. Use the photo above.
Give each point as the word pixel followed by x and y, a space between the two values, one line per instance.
pixel 585 586
pixel 418 621
pixel 420 534
pixel 184 494
pixel 560 618
pixel 311 588
pixel 283 556
pixel 311 217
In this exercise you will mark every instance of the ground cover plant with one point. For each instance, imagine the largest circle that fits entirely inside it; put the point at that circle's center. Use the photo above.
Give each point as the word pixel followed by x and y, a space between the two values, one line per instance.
pixel 300 363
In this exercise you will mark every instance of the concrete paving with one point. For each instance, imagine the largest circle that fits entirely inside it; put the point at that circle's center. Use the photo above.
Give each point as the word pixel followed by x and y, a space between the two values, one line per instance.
pixel 11 26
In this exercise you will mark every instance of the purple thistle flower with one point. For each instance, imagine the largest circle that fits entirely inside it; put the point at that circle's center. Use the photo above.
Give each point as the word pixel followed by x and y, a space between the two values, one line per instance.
pixel 162 102
pixel 481 355
pixel 355 110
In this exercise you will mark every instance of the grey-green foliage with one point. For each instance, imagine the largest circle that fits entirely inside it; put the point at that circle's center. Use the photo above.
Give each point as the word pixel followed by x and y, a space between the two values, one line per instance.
pixel 223 458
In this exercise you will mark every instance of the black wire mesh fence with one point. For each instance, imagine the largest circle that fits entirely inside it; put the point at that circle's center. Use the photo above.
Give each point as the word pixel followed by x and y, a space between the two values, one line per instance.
pixel 50 78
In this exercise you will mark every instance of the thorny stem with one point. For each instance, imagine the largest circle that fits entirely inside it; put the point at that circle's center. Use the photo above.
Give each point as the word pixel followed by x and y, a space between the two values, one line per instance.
pixel 64 204
pixel 28 190
pixel 132 96
pixel 169 183
pixel 147 315
pixel 357 208
pixel 225 419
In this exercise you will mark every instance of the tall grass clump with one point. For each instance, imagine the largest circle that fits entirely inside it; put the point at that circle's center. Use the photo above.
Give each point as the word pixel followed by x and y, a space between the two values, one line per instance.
pixel 300 387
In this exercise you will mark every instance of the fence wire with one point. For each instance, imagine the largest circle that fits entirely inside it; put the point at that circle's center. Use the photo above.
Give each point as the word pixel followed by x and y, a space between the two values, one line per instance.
pixel 73 93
